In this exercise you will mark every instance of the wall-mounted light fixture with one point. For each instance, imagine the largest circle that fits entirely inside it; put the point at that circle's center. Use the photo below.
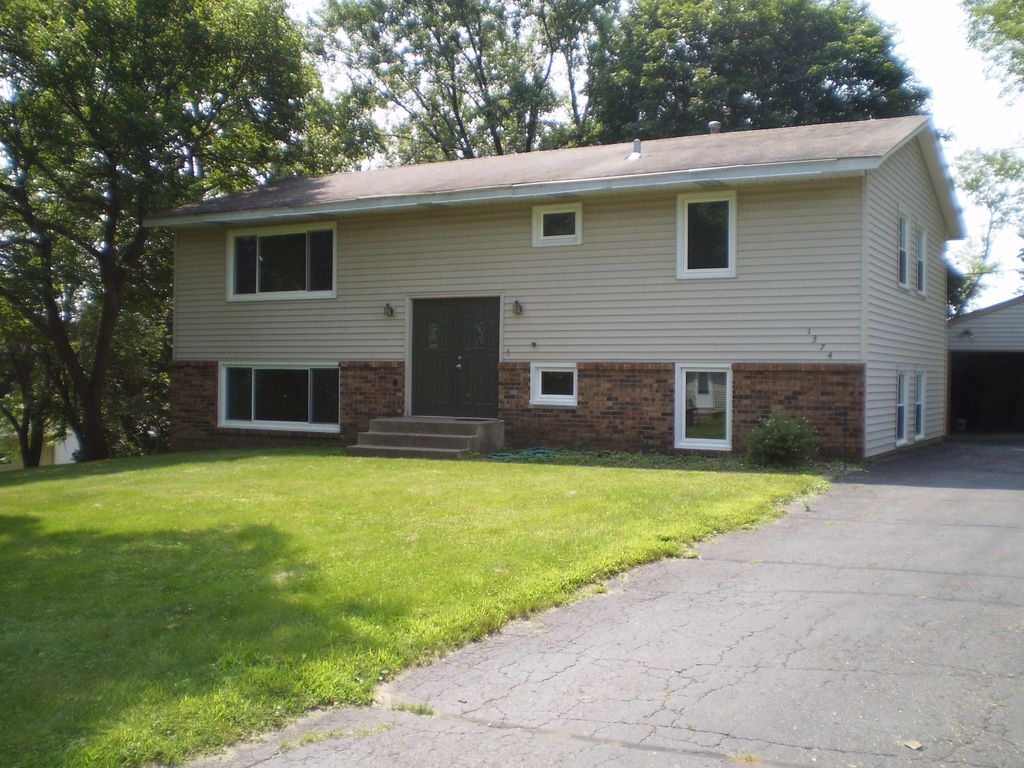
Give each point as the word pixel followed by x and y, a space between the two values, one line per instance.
pixel 389 311
pixel 967 332
pixel 518 307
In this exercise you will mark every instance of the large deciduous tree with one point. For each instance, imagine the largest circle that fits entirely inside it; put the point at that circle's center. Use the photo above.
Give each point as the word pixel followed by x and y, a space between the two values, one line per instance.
pixel 110 109
pixel 993 182
pixel 671 66
pixel 464 78
pixel 997 28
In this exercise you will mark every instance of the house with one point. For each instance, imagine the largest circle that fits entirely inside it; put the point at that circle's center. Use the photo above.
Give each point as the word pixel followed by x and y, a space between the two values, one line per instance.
pixel 650 296
pixel 986 363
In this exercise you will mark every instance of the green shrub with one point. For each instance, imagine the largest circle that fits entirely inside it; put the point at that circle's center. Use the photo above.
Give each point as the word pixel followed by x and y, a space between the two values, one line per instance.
pixel 781 440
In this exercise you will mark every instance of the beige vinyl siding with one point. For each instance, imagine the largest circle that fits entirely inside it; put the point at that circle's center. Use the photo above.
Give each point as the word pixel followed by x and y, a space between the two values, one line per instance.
pixel 904 331
pixel 1000 330
pixel 615 297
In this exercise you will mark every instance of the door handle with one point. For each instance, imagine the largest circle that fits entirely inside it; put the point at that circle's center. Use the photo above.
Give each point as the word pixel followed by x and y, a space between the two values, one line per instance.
pixel 458 366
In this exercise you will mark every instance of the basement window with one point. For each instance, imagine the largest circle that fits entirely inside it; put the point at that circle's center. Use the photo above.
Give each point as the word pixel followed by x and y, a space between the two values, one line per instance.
pixel 703 407
pixel 557 225
pixel 553 384
pixel 282 263
pixel 280 397
pixel 706 235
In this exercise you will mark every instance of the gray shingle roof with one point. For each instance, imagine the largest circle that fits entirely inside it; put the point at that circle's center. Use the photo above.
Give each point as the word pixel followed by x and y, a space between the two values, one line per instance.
pixel 865 140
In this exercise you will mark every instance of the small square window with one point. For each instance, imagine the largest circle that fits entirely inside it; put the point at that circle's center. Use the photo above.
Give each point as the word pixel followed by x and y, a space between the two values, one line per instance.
pixel 706 232
pixel 553 384
pixel 558 225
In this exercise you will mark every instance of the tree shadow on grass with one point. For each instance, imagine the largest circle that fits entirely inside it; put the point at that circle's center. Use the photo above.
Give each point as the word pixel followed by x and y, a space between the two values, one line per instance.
pixel 128 648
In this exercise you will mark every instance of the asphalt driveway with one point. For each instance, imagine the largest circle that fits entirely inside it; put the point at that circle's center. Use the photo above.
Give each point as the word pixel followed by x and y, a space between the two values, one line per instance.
pixel 882 624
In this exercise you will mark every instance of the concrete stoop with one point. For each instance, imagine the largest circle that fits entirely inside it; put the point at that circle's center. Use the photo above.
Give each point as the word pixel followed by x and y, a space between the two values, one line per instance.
pixel 429 437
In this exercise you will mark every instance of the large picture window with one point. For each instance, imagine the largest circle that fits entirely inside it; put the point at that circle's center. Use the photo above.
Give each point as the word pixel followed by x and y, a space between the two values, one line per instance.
pixel 276 397
pixel 282 262
pixel 706 225
pixel 704 407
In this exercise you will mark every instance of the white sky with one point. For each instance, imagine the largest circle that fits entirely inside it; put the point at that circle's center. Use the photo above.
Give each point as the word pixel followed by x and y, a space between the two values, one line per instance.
pixel 931 35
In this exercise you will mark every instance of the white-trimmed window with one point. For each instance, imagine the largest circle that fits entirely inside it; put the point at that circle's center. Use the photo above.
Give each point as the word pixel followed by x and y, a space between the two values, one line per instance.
pixel 557 224
pixel 922 260
pixel 706 235
pixel 703 407
pixel 279 397
pixel 553 384
pixel 902 251
pixel 293 262
pixel 918 405
pixel 901 408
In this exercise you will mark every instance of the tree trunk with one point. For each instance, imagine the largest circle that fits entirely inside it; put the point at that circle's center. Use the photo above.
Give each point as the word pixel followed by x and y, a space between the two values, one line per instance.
pixel 36 439
pixel 94 434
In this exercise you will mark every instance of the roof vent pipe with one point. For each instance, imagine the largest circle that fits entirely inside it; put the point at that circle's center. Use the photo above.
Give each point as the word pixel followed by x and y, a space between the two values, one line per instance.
pixel 636 154
pixel 714 127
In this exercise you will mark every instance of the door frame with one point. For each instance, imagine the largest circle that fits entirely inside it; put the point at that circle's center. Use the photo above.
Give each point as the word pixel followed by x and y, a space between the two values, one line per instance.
pixel 499 295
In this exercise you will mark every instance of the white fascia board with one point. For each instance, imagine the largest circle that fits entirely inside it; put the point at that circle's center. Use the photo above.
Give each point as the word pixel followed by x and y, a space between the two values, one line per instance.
pixel 697 176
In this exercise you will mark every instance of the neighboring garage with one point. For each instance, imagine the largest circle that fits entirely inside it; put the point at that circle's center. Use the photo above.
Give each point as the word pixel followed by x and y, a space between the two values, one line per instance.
pixel 986 364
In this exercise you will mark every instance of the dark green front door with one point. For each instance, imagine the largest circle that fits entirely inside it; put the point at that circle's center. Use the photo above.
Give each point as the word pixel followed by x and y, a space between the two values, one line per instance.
pixel 455 357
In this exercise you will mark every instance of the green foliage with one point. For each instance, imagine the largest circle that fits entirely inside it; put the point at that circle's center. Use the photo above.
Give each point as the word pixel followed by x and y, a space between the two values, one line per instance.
pixel 997 28
pixel 671 66
pixel 994 182
pixel 963 281
pixel 112 109
pixel 469 78
pixel 289 579
pixel 782 440
pixel 27 403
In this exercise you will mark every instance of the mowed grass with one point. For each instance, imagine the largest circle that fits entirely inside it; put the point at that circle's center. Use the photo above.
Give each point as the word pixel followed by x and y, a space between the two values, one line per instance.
pixel 152 609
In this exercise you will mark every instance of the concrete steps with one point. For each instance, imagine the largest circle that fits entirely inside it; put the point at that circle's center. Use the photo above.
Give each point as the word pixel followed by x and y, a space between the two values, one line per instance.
pixel 429 437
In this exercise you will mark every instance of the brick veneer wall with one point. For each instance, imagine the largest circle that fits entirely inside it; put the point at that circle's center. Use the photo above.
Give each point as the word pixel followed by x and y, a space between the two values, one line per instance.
pixel 620 406
pixel 370 390
pixel 830 395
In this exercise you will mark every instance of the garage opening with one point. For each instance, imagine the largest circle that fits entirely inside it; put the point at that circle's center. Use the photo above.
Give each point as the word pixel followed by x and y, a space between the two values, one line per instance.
pixel 986 392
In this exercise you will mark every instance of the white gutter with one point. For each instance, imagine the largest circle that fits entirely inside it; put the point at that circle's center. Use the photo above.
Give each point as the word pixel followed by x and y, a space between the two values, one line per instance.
pixel 723 175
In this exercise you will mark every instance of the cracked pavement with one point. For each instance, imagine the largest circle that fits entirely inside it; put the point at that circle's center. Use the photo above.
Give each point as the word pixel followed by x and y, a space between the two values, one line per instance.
pixel 887 611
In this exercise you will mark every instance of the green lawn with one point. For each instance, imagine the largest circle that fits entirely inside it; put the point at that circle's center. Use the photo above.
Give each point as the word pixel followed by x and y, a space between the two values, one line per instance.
pixel 155 608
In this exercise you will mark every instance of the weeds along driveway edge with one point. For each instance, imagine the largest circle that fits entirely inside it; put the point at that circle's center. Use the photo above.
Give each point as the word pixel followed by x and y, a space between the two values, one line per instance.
pixel 164 607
